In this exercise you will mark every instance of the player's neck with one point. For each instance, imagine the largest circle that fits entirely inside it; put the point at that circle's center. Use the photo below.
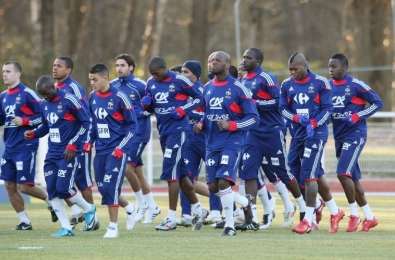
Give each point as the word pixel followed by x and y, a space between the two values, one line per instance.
pixel 61 80
pixel 14 85
pixel 221 77
pixel 105 89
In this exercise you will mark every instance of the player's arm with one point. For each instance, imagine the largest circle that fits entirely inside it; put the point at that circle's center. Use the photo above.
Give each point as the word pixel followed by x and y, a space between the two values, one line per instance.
pixel 246 108
pixel 31 111
pixel 188 90
pixel 129 121
pixel 39 131
pixel 366 95
pixel 79 111
pixel 268 94
pixel 2 114
pixel 325 105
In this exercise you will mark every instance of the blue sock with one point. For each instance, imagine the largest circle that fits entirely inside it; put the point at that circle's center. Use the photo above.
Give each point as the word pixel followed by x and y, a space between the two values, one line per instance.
pixel 215 202
pixel 185 204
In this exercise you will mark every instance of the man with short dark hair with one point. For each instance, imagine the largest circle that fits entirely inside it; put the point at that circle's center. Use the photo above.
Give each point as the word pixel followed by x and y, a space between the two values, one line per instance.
pixel 62 69
pixel 114 124
pixel 134 88
pixel 167 96
pixel 350 111
pixel 19 111
pixel 66 121
pixel 305 101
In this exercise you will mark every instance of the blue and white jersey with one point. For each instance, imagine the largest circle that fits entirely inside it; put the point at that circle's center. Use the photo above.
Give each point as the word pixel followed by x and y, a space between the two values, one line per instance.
pixel 23 102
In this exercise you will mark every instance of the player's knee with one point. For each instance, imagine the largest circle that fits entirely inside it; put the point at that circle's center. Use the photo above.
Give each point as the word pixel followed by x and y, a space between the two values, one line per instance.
pixel 212 187
pixel 24 188
pixel 11 187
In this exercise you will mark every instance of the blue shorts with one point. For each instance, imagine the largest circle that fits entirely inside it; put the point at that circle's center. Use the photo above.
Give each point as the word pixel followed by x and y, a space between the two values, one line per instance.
pixel 223 164
pixel 109 174
pixel 305 159
pixel 60 177
pixel 19 167
pixel 172 148
pixel 136 150
pixel 83 178
pixel 347 153
pixel 266 151
pixel 193 154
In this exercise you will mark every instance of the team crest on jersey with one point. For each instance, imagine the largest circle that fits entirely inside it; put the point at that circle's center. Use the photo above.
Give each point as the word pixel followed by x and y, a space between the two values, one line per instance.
pixel 110 104
pixel 18 99
pixel 310 89
pixel 132 96
pixel 228 94
pixel 172 88
pixel 59 108
pixel 347 91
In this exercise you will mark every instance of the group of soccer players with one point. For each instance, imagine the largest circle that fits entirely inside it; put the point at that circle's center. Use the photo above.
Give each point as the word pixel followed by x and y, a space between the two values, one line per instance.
pixel 236 124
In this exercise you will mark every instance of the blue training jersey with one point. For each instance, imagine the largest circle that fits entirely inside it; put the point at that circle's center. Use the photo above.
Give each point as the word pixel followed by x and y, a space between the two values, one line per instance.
pixel 114 120
pixel 23 102
pixel 227 100
pixel 352 97
pixel 66 121
pixel 310 97
pixel 135 89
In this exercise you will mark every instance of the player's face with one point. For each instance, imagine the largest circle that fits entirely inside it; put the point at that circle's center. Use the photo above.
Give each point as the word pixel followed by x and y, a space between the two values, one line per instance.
pixel 187 73
pixel 11 75
pixel 122 68
pixel 60 70
pixel 217 64
pixel 336 69
pixel 158 73
pixel 98 82
pixel 48 93
pixel 249 62
pixel 297 70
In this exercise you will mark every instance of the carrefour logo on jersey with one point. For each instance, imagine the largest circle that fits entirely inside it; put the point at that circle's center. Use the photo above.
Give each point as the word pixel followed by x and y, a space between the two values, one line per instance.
pixel 301 98
pixel 52 118
pixel 101 113
pixel 338 101
pixel 216 102
pixel 161 97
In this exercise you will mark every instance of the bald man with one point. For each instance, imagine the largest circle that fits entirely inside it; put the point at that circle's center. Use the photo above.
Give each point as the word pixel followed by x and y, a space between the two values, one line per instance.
pixel 229 113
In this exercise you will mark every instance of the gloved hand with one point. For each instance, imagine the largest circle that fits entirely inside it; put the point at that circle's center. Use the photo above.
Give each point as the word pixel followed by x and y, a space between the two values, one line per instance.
pixel 309 131
pixel 301 119
pixel 117 153
pixel 353 118
pixel 70 152
pixel 178 113
pixel 87 147
pixel 29 135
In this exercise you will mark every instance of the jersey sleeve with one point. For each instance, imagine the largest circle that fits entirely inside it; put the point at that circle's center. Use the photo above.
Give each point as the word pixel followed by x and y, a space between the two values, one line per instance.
pixel 31 109
pixel 267 96
pixel 325 104
pixel 192 91
pixel 80 112
pixel 284 102
pixel 129 116
pixel 370 96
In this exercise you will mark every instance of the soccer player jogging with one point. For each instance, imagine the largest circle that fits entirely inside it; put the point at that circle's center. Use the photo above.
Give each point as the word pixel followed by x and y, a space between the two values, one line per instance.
pixel 114 124
pixel 62 68
pixel 305 101
pixel 167 95
pixel 134 88
pixel 229 112
pixel 195 154
pixel 67 122
pixel 353 102
pixel 265 144
pixel 19 111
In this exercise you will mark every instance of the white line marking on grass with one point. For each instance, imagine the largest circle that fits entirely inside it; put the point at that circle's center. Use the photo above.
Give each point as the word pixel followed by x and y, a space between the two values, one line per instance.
pixel 30 247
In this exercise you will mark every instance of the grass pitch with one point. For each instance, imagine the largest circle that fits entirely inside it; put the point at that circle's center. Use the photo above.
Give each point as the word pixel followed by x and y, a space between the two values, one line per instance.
pixel 146 243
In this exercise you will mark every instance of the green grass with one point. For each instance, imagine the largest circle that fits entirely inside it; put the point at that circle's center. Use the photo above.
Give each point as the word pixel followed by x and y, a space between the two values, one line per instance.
pixel 146 243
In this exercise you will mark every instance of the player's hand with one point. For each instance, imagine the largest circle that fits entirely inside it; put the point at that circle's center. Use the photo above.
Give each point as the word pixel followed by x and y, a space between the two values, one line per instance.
pixel 70 152
pixel 117 153
pixel 353 118
pixel 178 113
pixel 198 127
pixel 19 121
pixel 225 125
pixel 29 134
pixel 309 131
pixel 87 147
pixel 146 102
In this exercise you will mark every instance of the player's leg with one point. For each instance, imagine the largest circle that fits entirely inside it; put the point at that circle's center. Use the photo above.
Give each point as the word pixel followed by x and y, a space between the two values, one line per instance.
pixel 111 190
pixel 267 200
